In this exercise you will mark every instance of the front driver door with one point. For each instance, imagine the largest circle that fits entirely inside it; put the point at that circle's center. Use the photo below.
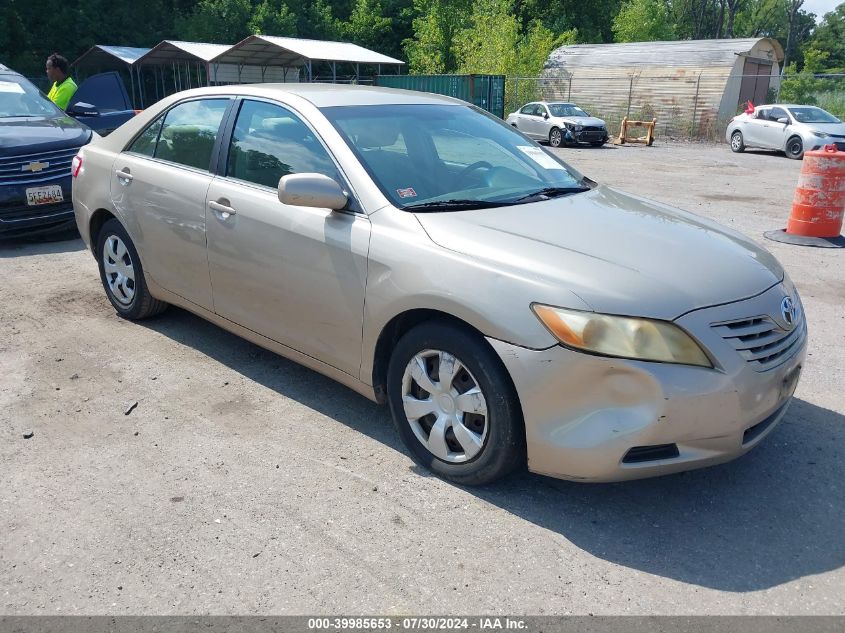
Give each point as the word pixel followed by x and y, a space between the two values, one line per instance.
pixel 293 274
pixel 777 132
pixel 159 186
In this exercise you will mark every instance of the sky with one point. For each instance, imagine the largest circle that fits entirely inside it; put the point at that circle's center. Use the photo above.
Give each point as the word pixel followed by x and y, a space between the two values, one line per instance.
pixel 820 7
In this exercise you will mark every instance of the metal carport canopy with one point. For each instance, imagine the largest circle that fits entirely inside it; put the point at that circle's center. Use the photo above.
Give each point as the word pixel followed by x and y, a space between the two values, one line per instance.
pixel 268 50
pixel 172 50
pixel 105 56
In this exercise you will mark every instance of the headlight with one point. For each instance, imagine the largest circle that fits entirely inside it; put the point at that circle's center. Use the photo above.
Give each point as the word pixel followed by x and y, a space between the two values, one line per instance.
pixel 625 337
pixel 820 134
pixel 578 128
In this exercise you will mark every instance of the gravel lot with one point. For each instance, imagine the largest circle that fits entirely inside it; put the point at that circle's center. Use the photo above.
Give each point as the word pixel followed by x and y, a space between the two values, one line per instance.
pixel 243 483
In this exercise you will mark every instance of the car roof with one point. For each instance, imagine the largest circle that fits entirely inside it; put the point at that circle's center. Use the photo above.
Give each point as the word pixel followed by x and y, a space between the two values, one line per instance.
pixel 787 105
pixel 326 95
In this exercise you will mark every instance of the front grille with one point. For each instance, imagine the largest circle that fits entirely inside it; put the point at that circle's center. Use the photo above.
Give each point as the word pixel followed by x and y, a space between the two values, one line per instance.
pixel 24 213
pixel 12 172
pixel 593 128
pixel 762 342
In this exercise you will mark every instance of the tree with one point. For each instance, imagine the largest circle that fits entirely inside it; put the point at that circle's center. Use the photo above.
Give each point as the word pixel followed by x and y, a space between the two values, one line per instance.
pixel 220 21
pixel 643 21
pixel 367 25
pixel 733 7
pixel 829 37
pixel 273 18
pixel 437 24
pixel 802 87
pixel 792 20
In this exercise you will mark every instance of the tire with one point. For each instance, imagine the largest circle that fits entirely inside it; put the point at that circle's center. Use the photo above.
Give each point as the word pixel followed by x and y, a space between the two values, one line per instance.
pixel 473 448
pixel 795 148
pixel 555 137
pixel 737 142
pixel 122 274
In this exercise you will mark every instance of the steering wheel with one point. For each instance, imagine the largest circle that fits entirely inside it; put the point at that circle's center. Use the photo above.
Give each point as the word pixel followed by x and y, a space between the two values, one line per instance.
pixel 481 164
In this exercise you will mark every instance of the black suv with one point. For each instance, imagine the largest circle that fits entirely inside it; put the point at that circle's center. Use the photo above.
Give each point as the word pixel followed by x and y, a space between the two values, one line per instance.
pixel 37 145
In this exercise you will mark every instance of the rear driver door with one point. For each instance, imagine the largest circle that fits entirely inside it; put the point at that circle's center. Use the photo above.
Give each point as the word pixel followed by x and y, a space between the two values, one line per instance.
pixel 159 187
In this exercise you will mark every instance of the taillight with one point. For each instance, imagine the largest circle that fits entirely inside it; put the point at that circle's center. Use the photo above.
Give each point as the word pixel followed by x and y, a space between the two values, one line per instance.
pixel 76 165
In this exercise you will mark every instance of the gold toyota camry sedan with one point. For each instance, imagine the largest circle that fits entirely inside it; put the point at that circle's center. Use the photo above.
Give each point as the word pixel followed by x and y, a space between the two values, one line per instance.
pixel 507 309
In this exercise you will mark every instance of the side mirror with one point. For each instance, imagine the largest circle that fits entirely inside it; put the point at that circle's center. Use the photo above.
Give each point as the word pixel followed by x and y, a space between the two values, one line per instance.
pixel 83 109
pixel 783 120
pixel 545 115
pixel 312 190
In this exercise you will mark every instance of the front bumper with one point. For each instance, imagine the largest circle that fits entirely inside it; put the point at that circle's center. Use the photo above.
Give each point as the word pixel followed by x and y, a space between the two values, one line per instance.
pixel 586 136
pixel 19 219
pixel 584 414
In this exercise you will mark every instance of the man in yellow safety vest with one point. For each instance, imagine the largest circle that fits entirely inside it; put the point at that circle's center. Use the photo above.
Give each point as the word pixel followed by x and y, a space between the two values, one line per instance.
pixel 63 86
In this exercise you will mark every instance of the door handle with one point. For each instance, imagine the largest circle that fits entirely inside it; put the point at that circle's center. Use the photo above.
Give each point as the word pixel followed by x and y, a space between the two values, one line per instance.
pixel 124 176
pixel 221 209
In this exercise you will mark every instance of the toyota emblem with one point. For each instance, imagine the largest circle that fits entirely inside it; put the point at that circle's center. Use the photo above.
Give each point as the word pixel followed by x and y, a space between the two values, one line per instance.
pixel 789 311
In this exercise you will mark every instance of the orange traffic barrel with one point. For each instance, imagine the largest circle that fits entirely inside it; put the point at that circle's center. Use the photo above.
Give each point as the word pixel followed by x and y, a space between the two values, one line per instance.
pixel 819 202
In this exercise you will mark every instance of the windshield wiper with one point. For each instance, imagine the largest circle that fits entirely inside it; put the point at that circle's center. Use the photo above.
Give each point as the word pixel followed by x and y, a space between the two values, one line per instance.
pixel 550 192
pixel 454 205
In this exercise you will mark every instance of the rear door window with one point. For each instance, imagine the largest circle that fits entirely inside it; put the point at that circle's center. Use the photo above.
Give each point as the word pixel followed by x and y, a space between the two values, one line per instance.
pixel 189 132
pixel 145 144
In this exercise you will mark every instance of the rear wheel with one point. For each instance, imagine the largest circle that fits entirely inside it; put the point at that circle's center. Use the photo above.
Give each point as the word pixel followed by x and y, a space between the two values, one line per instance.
pixel 737 142
pixel 555 137
pixel 122 274
pixel 454 405
pixel 795 148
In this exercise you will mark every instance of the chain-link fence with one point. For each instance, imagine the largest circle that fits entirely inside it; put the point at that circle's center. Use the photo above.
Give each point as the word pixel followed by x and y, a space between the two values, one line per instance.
pixel 693 106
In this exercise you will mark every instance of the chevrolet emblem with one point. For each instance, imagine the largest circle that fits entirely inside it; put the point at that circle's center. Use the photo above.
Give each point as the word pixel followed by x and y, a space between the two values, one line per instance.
pixel 35 166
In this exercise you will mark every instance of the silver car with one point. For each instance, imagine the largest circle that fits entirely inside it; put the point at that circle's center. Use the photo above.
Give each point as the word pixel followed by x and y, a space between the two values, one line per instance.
pixel 558 124
pixel 425 254
pixel 792 129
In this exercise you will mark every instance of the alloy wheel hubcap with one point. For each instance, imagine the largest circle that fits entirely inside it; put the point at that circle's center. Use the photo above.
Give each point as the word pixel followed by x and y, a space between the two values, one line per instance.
pixel 445 407
pixel 736 141
pixel 120 272
pixel 556 138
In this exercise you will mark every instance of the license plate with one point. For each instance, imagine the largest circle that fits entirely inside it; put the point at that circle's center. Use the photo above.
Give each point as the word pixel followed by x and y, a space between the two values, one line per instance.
pixel 44 195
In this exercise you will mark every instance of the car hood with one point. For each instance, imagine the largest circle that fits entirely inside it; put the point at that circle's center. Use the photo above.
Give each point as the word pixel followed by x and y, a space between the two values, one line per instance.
pixel 835 129
pixel 581 120
pixel 618 253
pixel 34 135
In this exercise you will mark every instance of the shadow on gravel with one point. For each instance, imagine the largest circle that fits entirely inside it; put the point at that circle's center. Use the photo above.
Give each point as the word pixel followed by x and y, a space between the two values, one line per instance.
pixel 774 516
pixel 65 242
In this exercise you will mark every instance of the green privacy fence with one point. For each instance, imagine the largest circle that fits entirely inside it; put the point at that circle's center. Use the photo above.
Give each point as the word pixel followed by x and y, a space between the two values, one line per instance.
pixel 485 91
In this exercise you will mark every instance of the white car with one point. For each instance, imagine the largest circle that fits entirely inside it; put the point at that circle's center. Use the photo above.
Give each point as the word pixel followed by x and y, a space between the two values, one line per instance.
pixel 792 129
pixel 558 124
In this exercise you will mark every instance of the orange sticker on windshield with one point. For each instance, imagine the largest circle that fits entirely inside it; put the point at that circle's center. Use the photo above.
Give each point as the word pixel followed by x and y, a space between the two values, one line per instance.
pixel 407 193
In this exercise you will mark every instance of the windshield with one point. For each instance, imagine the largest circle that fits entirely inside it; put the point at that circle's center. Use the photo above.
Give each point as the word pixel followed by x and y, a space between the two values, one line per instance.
pixel 813 115
pixel 451 154
pixel 566 109
pixel 19 98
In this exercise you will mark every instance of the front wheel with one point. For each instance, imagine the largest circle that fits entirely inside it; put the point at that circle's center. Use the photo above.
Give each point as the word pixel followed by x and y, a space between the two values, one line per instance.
pixel 737 142
pixel 555 137
pixel 122 274
pixel 795 148
pixel 454 405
